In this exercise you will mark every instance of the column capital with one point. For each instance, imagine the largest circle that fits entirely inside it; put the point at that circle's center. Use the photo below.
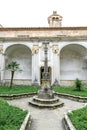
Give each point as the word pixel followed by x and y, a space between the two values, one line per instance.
pixel 55 49
pixel 35 49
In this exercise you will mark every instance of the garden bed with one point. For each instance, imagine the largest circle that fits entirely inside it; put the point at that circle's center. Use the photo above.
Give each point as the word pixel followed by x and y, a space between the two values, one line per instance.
pixel 72 91
pixel 17 89
pixel 79 118
pixel 71 97
pixel 17 92
pixel 76 119
pixel 11 118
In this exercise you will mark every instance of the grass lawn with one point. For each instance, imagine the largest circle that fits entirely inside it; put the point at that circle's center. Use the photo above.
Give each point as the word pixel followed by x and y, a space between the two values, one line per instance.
pixel 72 91
pixel 11 117
pixel 28 89
pixel 17 89
pixel 79 118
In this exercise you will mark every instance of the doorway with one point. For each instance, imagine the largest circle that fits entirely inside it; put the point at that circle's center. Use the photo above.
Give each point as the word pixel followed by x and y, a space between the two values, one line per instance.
pixel 41 72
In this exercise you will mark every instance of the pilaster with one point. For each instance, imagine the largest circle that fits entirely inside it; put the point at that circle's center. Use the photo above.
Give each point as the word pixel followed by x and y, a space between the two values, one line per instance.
pixel 56 65
pixel 35 62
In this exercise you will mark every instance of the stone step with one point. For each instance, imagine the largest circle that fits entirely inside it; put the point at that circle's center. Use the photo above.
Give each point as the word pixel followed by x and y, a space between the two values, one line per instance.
pixel 45 101
pixel 40 105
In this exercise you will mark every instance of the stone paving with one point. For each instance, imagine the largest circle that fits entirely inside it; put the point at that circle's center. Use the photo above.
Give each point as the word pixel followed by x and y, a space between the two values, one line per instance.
pixel 45 119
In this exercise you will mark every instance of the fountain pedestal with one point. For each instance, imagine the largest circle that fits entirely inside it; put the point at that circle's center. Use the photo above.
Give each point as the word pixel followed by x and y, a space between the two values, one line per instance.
pixel 46 93
pixel 45 97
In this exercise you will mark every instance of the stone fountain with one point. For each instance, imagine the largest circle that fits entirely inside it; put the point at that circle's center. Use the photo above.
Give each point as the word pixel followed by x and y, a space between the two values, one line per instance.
pixel 45 97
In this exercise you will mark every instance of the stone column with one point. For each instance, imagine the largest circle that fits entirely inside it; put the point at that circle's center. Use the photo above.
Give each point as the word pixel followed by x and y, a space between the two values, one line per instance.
pixel 35 69
pixel 56 65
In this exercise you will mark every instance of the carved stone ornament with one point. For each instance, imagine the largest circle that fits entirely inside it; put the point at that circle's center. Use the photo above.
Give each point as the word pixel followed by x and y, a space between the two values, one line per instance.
pixel 1 49
pixel 55 49
pixel 35 49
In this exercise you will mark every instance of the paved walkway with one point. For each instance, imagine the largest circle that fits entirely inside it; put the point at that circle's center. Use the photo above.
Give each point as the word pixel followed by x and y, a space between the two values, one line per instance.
pixel 45 119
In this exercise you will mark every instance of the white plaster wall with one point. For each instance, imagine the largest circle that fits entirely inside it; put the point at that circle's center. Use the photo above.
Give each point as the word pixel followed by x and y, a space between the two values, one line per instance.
pixel 22 55
pixel 72 63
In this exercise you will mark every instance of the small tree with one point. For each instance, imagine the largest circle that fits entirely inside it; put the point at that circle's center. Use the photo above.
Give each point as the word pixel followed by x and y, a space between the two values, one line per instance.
pixel 78 84
pixel 12 67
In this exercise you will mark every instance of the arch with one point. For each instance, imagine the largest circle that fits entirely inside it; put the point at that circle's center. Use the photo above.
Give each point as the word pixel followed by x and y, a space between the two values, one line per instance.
pixel 10 45
pixel 23 55
pixel 73 62
pixel 66 44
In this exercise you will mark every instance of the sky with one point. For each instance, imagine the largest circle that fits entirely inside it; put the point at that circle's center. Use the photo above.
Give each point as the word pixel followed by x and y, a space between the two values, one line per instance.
pixel 34 13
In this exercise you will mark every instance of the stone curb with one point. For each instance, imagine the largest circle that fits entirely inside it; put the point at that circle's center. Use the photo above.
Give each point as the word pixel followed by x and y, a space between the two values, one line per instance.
pixel 67 123
pixel 24 95
pixel 72 97
pixel 26 123
pixel 17 96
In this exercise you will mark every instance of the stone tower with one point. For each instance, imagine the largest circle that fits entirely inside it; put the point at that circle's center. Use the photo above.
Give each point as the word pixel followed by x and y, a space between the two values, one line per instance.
pixel 54 20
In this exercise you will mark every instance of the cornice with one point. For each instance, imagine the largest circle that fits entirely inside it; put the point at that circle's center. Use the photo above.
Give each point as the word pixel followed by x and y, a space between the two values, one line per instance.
pixel 42 28
pixel 50 39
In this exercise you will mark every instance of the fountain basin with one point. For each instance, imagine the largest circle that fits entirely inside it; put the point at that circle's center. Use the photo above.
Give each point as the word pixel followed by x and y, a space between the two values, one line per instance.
pixel 45 103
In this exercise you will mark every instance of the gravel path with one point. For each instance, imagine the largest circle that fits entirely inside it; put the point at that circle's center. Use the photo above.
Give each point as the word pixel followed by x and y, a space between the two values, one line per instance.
pixel 45 119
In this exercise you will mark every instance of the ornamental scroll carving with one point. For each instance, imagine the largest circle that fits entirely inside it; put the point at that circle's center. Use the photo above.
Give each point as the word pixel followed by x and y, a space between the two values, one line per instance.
pixel 35 49
pixel 1 49
pixel 55 49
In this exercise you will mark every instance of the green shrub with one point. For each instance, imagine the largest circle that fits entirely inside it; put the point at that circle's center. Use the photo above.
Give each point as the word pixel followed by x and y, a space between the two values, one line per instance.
pixel 78 84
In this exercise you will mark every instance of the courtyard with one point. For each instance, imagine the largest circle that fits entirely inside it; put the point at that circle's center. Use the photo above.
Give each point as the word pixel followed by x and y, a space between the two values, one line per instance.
pixel 43 65
pixel 45 119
